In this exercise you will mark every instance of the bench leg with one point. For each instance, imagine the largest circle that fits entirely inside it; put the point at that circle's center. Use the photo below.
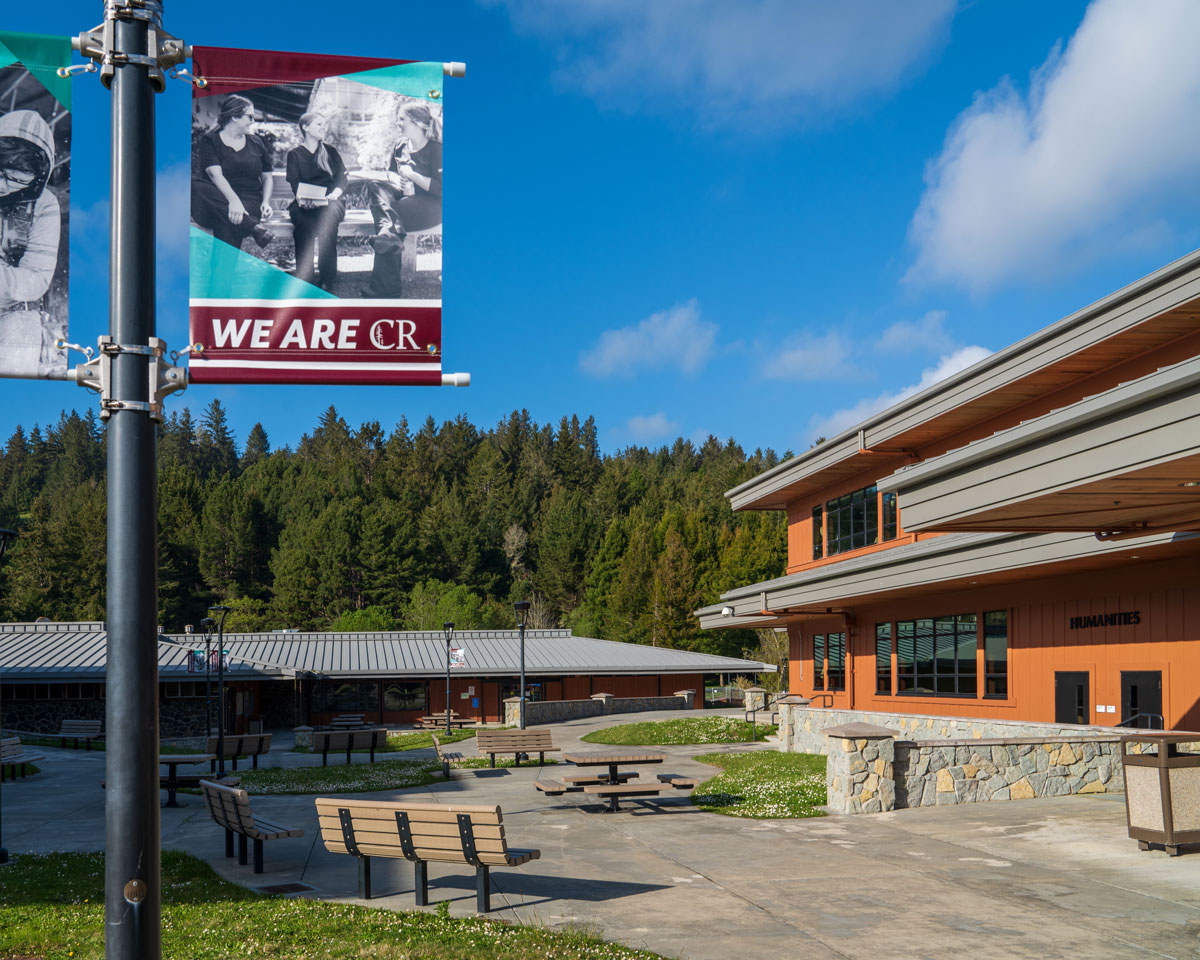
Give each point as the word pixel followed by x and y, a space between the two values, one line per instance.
pixel 542 759
pixel 324 758
pixel 258 858
pixel 212 766
pixel 229 843
pixel 483 889
pixel 364 877
pixel 255 758
pixel 493 761
pixel 242 850
pixel 347 754
pixel 235 763
pixel 446 769
pixel 421 882
pixel 372 754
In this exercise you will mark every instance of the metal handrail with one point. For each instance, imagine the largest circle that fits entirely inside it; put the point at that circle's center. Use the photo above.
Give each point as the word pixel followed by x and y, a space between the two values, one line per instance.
pixel 823 695
pixel 1162 724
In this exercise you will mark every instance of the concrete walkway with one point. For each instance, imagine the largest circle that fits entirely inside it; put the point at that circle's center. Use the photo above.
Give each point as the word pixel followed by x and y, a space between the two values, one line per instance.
pixel 1029 879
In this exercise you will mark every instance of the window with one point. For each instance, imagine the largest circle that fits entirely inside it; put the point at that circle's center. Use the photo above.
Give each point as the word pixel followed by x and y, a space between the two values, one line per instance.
pixel 890 527
pixel 328 696
pixel 935 656
pixel 819 661
pixel 852 521
pixel 883 658
pixel 836 672
pixel 399 695
pixel 995 653
pixel 818 536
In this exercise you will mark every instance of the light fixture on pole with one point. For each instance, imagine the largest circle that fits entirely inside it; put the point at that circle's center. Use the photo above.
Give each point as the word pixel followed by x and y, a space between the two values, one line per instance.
pixel 6 537
pixel 448 631
pixel 521 608
pixel 207 625
pixel 223 611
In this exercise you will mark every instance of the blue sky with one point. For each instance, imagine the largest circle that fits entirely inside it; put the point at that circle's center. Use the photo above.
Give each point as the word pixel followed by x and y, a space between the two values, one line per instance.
pixel 763 219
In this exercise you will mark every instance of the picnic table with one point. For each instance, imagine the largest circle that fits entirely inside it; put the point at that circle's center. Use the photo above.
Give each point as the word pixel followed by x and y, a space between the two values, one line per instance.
pixel 171 781
pixel 617 784
pixel 439 720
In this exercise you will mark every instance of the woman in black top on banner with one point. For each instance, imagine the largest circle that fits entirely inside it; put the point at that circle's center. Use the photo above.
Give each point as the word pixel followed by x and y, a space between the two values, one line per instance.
pixel 318 178
pixel 231 196
pixel 411 199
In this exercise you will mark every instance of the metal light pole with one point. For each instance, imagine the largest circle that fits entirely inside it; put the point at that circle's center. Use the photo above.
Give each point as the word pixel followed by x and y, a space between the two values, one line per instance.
pixel 6 537
pixel 521 608
pixel 448 630
pixel 223 611
pixel 207 625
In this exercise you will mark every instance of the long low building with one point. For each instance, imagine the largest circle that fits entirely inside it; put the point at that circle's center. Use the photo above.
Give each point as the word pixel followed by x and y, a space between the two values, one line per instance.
pixel 53 671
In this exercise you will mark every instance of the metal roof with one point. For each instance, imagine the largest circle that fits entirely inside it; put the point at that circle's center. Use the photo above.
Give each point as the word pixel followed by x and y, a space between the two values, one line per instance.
pixel 76 652
pixel 70 652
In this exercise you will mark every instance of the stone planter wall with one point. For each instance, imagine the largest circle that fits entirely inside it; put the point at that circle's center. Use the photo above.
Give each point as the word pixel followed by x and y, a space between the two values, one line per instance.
pixel 802 728
pixel 598 705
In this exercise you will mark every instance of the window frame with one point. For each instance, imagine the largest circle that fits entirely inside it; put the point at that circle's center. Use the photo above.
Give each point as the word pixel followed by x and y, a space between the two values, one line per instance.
pixel 883 659
pixel 938 656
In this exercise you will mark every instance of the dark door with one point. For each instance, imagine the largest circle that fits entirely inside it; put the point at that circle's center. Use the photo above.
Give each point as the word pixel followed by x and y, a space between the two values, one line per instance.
pixel 1071 701
pixel 1141 699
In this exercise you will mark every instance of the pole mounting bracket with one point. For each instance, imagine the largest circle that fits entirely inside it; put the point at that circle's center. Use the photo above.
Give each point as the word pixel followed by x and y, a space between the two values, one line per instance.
pixel 164 50
pixel 164 377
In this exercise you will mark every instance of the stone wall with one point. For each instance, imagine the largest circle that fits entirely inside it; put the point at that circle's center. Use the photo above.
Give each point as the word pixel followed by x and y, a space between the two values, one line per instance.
pixel 868 771
pixel 598 705
pixel 177 716
pixel 802 727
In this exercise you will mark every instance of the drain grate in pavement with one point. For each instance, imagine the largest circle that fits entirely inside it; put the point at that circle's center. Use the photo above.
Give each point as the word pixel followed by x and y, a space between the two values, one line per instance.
pixel 279 888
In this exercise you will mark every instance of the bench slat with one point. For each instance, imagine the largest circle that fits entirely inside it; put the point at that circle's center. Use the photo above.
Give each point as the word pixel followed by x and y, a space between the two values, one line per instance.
pixel 508 859
pixel 675 780
pixel 385 809
pixel 443 845
pixel 387 827
pixel 626 789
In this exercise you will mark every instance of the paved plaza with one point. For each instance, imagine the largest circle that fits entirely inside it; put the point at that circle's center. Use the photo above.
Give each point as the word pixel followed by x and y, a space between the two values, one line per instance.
pixel 1025 879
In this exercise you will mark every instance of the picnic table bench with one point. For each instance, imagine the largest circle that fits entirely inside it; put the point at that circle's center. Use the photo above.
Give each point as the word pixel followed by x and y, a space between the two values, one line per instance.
pixel 76 730
pixel 247 745
pixel 420 832
pixel 230 809
pixel 348 740
pixel 439 720
pixel 445 756
pixel 516 742
pixel 12 756
pixel 348 721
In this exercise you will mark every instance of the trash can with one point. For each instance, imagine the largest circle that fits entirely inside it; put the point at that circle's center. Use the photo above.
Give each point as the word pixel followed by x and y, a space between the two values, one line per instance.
pixel 254 725
pixel 1162 789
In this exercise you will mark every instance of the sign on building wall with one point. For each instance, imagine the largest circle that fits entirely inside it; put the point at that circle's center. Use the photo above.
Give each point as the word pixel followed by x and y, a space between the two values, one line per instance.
pixel 316 235
pixel 35 183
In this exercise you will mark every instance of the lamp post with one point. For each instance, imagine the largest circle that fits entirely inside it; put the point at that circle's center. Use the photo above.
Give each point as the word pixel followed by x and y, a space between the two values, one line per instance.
pixel 6 537
pixel 448 631
pixel 207 625
pixel 521 608
pixel 222 611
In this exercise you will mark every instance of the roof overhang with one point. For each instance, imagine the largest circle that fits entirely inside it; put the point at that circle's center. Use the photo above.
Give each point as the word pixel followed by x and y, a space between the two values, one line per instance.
pixel 935 565
pixel 1140 317
pixel 1120 464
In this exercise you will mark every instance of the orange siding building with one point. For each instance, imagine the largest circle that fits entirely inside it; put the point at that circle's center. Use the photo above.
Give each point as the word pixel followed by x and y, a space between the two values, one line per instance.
pixel 1019 541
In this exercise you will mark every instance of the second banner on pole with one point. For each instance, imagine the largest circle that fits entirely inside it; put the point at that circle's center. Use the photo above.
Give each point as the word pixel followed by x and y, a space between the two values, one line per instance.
pixel 316 234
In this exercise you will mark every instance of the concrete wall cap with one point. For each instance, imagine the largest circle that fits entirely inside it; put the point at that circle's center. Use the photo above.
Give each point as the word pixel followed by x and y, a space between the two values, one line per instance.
pixel 795 700
pixel 859 730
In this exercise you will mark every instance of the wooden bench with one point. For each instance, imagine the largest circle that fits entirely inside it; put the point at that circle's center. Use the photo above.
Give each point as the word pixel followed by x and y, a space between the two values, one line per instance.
pixel 555 788
pixel 420 832
pixel 76 730
pixel 680 783
pixel 445 756
pixel 635 788
pixel 516 742
pixel 12 756
pixel 247 745
pixel 348 740
pixel 230 808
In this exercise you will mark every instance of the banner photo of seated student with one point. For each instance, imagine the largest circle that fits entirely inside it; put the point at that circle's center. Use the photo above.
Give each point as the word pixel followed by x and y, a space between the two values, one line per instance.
pixel 316 219
pixel 35 182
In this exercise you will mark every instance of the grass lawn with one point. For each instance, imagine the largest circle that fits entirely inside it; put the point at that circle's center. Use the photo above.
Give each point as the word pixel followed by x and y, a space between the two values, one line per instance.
pixel 30 770
pixel 413 740
pixel 53 907
pixel 684 730
pixel 342 778
pixel 763 786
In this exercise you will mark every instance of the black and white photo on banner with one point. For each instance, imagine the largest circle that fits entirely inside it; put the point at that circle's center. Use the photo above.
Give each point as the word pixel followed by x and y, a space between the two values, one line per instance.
pixel 336 182
pixel 35 158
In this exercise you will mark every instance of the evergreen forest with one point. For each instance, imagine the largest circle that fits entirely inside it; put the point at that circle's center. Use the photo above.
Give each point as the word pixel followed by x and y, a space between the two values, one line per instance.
pixel 363 529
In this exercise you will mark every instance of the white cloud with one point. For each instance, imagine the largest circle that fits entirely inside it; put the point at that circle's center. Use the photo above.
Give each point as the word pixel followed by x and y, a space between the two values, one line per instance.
pixel 754 60
pixel 654 427
pixel 811 357
pixel 947 366
pixel 670 338
pixel 173 210
pixel 927 334
pixel 1102 148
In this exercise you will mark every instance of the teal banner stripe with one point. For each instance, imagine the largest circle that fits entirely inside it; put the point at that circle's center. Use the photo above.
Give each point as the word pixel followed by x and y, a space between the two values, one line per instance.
pixel 221 271
pixel 406 79
pixel 41 54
